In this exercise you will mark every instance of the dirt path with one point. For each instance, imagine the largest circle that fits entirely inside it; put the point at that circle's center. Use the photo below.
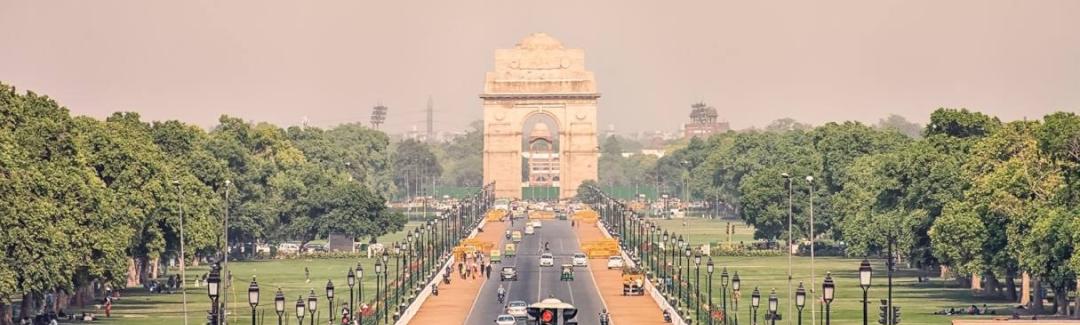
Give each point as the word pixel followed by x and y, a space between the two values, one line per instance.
pixel 454 301
pixel 632 310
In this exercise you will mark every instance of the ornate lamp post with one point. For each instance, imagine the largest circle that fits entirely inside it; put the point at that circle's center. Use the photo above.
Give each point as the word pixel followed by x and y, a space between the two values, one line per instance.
pixel 773 303
pixel 865 272
pixel 386 287
pixel 736 285
pixel 213 290
pixel 351 280
pixel 378 288
pixel 755 301
pixel 300 310
pixel 279 304
pixel 312 305
pixel 697 285
pixel 330 298
pixel 663 259
pixel 800 300
pixel 686 251
pixel 827 289
pixel 253 298
pixel 709 269
pixel 723 292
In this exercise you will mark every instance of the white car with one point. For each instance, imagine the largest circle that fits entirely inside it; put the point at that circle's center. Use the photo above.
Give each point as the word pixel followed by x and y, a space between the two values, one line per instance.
pixel 505 320
pixel 615 262
pixel 580 259
pixel 529 230
pixel 537 224
pixel 517 308
pixel 547 259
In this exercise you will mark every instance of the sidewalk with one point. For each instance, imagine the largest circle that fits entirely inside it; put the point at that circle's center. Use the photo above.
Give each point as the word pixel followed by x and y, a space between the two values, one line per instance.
pixel 454 301
pixel 633 310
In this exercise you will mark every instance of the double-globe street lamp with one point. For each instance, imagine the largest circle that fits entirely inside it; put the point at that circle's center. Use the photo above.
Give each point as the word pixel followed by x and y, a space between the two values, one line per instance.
pixel 330 299
pixel 723 292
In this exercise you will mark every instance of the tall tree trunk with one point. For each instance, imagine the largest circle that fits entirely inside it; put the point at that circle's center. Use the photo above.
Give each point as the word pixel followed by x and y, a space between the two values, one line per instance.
pixel 1061 300
pixel 1010 286
pixel 154 265
pixel 133 273
pixel 1037 301
pixel 5 313
pixel 1076 311
pixel 26 305
pixel 992 285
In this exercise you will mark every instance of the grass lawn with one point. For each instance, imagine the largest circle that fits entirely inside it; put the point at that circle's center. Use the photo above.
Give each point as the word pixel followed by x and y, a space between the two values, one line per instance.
pixel 137 306
pixel 918 301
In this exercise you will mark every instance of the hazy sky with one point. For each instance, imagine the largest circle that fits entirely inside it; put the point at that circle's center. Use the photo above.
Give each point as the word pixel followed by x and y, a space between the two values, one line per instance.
pixel 755 61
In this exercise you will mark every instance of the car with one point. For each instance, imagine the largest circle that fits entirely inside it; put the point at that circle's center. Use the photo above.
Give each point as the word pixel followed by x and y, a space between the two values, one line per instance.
pixel 537 224
pixel 547 259
pixel 615 262
pixel 508 273
pixel 529 230
pixel 505 319
pixel 517 308
pixel 580 259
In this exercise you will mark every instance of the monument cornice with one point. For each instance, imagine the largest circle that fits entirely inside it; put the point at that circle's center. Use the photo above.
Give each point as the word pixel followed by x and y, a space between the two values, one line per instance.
pixel 527 96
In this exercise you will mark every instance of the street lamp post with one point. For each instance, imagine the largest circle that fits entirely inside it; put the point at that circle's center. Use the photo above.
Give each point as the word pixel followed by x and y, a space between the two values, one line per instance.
pixel 697 285
pixel 213 290
pixel 360 275
pixel 183 264
pixel 330 299
pixel 386 288
pixel 253 298
pixel 773 302
pixel 790 221
pixel 300 310
pixel 686 251
pixel 312 305
pixel 736 285
pixel 813 294
pixel 709 269
pixel 279 305
pixel 827 289
pixel 378 288
pixel 864 281
pixel 351 279
pixel 723 292
pixel 800 300
pixel 755 301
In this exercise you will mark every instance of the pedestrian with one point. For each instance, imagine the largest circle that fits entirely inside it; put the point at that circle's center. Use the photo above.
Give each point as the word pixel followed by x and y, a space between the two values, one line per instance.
pixel 489 270
pixel 461 269
pixel 108 306
pixel 307 275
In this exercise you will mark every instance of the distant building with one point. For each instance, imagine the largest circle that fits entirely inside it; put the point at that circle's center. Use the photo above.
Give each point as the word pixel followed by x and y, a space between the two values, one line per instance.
pixel 542 158
pixel 703 122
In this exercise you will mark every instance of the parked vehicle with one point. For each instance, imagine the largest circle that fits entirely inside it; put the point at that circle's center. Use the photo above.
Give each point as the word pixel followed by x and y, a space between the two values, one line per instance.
pixel 615 262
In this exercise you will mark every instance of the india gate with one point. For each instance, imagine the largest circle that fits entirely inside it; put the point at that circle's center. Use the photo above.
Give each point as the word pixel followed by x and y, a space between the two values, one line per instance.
pixel 537 83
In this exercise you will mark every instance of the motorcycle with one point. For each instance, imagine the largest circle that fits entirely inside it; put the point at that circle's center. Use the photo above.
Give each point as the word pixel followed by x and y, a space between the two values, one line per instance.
pixel 604 319
pixel 502 296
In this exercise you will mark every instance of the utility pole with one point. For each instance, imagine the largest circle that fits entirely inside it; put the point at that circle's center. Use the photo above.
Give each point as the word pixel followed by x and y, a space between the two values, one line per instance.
pixel 430 120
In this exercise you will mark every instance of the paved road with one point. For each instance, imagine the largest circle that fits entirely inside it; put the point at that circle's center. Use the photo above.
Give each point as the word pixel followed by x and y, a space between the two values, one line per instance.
pixel 535 283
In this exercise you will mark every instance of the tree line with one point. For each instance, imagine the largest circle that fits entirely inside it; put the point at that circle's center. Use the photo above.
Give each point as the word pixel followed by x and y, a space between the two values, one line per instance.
pixel 980 196
pixel 87 202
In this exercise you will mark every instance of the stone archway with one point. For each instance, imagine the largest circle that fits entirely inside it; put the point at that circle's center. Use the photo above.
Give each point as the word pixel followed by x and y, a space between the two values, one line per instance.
pixel 539 76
